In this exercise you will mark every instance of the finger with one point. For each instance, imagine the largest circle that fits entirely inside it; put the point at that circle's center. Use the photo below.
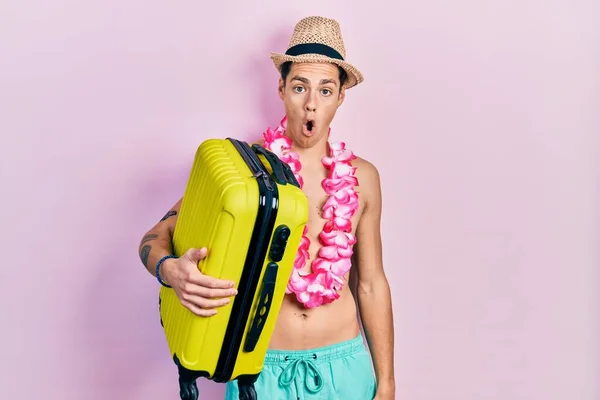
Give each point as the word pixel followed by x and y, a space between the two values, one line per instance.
pixel 198 278
pixel 207 304
pixel 198 311
pixel 195 255
pixel 211 282
pixel 193 289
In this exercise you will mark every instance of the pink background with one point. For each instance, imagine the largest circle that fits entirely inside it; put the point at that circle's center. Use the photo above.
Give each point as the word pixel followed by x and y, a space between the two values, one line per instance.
pixel 482 116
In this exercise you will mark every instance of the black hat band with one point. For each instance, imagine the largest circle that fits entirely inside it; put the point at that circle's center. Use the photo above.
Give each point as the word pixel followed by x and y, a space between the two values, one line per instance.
pixel 314 48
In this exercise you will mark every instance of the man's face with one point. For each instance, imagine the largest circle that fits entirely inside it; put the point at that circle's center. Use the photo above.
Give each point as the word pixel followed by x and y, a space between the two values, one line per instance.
pixel 311 95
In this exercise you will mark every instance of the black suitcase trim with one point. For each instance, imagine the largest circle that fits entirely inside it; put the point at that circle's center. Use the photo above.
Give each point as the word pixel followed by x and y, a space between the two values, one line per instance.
pixel 257 251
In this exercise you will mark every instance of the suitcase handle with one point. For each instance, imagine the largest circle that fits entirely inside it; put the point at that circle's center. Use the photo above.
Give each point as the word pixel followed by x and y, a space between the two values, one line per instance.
pixel 263 307
pixel 282 173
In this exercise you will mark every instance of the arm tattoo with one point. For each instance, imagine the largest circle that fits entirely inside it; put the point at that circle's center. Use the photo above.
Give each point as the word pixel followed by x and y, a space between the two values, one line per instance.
pixel 168 215
pixel 149 237
pixel 144 254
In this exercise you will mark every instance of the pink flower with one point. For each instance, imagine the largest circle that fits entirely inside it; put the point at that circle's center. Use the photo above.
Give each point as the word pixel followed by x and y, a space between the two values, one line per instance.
pixel 296 283
pixel 269 136
pixel 328 211
pixel 283 122
pixel 300 259
pixel 302 253
pixel 338 282
pixel 338 154
pixel 321 265
pixel 337 238
pixel 339 197
pixel 334 149
pixel 332 185
pixel 346 196
pixel 345 252
pixel 328 238
pixel 329 253
pixel 341 267
pixel 330 296
pixel 342 204
pixel 344 211
pixel 341 216
pixel 337 147
pixel 335 253
pixel 317 291
pixel 329 226
pixel 342 224
pixel 310 300
pixel 345 156
pixel 340 170
pixel 292 161
pixel 278 145
pixel 319 282
pixel 293 155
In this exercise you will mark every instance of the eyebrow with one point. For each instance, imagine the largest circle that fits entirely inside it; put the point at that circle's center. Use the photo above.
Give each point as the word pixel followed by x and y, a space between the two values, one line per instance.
pixel 307 81
pixel 324 81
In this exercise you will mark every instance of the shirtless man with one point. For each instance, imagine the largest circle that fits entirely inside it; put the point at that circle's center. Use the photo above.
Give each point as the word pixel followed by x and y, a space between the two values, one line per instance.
pixel 334 362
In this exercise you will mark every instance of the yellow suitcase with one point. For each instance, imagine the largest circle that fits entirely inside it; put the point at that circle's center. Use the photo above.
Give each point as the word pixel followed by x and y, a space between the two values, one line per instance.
pixel 244 205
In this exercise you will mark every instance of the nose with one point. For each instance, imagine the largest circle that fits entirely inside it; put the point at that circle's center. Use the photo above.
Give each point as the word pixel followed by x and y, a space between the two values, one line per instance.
pixel 311 102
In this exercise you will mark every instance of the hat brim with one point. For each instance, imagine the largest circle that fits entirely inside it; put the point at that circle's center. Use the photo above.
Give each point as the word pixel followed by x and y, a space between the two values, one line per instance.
pixel 354 75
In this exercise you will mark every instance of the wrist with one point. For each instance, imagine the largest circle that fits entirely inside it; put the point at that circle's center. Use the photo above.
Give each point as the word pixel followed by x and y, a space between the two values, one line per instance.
pixel 386 385
pixel 163 266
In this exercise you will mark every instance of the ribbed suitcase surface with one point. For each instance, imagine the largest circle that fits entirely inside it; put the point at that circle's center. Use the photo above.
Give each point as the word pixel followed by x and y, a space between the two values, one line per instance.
pixel 226 207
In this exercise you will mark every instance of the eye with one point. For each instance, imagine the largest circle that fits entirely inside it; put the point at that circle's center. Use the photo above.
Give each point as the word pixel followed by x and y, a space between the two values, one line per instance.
pixel 325 92
pixel 298 89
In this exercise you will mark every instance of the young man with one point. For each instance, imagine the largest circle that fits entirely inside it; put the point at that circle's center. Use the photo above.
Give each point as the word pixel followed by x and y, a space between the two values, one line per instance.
pixel 316 351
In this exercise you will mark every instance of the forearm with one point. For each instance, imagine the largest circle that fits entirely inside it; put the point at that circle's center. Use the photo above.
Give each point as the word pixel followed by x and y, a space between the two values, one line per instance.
pixel 155 244
pixel 158 241
pixel 375 305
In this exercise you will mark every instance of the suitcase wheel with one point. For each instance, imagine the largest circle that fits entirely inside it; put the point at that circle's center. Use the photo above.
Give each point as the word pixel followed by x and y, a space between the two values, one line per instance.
pixel 247 392
pixel 188 390
pixel 246 387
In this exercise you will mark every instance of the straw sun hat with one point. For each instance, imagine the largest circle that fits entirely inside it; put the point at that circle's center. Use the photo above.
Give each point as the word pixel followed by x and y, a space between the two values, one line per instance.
pixel 318 39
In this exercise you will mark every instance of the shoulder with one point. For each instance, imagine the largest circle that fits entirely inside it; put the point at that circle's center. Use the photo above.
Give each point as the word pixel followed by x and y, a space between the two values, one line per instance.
pixel 366 173
pixel 369 182
pixel 365 168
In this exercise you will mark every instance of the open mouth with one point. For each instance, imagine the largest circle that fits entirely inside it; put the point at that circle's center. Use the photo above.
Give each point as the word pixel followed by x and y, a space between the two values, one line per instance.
pixel 309 125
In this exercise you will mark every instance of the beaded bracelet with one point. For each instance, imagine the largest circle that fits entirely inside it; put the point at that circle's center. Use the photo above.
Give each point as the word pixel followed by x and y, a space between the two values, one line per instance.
pixel 158 264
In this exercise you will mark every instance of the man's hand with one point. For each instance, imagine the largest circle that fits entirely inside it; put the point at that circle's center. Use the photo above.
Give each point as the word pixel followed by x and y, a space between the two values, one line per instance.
pixel 385 394
pixel 200 293
pixel 386 389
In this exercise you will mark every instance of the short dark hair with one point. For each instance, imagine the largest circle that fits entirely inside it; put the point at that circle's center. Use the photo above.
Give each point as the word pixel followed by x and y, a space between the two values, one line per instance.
pixel 287 66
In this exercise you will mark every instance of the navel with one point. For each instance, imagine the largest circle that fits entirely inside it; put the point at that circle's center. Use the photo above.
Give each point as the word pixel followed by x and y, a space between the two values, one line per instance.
pixel 302 315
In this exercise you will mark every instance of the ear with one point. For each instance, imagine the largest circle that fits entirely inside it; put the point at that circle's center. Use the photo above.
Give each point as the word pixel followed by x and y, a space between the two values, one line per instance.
pixel 281 88
pixel 341 96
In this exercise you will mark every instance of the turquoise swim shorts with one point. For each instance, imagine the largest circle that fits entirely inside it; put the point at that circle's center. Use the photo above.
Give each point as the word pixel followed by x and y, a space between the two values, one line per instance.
pixel 341 371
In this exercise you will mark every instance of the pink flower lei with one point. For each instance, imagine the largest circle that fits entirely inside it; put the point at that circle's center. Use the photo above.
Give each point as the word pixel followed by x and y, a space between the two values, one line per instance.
pixel 321 284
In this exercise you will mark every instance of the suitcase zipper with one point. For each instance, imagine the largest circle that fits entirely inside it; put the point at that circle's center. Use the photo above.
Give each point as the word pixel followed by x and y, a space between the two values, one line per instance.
pixel 233 336
pixel 266 179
